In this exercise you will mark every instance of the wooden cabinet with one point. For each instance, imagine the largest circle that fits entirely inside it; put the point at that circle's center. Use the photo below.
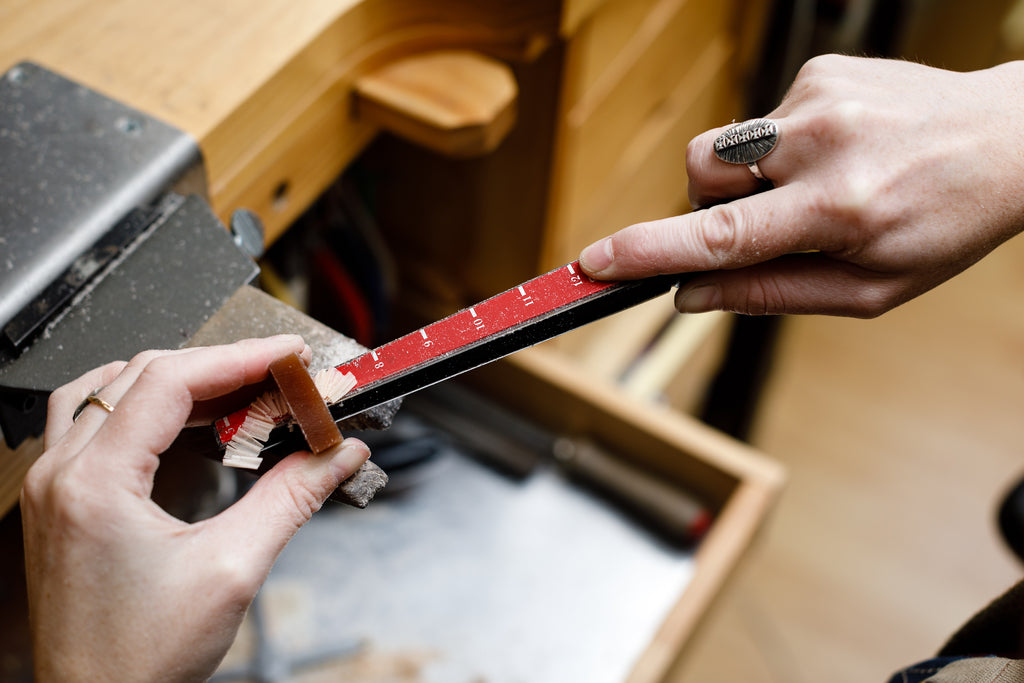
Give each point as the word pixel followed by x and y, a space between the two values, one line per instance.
pixel 609 93
pixel 641 79
pixel 605 116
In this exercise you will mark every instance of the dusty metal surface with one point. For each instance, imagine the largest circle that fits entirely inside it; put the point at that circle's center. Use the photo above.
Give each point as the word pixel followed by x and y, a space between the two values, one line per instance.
pixel 157 295
pixel 253 313
pixel 90 190
pixel 74 163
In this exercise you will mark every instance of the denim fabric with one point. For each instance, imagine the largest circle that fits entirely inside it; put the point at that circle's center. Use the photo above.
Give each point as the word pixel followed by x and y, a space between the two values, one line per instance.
pixel 989 669
pixel 989 647
pixel 922 670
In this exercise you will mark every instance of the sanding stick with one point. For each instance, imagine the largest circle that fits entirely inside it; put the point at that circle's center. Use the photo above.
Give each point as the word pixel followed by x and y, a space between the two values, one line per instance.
pixel 310 411
pixel 252 313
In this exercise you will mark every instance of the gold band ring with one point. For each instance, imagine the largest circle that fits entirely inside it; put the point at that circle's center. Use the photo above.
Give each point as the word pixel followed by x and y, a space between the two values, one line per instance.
pixel 94 399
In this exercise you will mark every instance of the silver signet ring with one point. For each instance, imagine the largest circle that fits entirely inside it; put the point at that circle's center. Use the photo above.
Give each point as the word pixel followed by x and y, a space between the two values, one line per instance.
pixel 747 142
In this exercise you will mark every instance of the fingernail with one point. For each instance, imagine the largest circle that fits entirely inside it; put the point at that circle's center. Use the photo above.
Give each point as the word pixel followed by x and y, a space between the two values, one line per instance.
pixel 597 257
pixel 349 455
pixel 699 299
pixel 283 338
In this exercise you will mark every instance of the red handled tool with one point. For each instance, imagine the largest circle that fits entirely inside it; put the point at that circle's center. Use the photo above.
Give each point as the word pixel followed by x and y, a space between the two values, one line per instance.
pixel 539 309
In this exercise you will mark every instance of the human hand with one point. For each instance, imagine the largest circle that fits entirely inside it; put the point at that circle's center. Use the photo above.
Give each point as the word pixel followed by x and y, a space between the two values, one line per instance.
pixel 120 590
pixel 895 176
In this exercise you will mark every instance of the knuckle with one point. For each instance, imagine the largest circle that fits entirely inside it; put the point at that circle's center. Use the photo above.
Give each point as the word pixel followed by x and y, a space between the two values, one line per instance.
pixel 159 370
pixel 236 580
pixel 875 300
pixel 161 386
pixel 717 233
pixel 148 378
pixel 161 364
pixel 639 244
pixel 303 498
pixel 693 148
pixel 834 124
pixel 63 485
pixel 62 496
pixel 34 486
pixel 849 117
pixel 306 503
pixel 853 196
pixel 856 205
pixel 59 397
pixel 820 67
pixel 763 297
pixel 144 358
pixel 698 156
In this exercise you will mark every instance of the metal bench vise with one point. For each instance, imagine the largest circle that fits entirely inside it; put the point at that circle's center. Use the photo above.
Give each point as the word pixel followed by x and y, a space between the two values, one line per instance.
pixel 108 247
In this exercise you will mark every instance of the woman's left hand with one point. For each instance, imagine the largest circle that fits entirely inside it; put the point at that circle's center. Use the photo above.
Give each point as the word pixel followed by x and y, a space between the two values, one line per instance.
pixel 119 589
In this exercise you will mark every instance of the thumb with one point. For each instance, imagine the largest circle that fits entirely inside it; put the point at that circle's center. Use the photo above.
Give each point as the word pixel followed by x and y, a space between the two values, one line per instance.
pixel 725 236
pixel 284 499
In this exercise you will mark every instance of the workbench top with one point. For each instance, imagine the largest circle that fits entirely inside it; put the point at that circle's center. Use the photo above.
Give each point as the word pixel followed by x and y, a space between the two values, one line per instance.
pixel 264 87
pixel 268 89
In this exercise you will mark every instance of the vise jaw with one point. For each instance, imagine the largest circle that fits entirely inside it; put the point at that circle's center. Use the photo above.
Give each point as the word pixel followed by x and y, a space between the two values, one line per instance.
pixel 107 245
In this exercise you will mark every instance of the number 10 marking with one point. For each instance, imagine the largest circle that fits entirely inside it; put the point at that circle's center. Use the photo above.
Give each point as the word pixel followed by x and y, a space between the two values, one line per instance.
pixel 478 323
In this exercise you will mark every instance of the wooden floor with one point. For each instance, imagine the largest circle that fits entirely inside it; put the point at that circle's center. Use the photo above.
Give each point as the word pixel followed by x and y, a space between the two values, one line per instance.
pixel 900 434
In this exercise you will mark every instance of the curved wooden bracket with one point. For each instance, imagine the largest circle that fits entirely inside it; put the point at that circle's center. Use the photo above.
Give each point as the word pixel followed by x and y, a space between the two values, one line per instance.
pixel 456 102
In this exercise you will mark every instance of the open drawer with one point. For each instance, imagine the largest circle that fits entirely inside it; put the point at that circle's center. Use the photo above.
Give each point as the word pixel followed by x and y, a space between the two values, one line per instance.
pixel 737 482
pixel 462 570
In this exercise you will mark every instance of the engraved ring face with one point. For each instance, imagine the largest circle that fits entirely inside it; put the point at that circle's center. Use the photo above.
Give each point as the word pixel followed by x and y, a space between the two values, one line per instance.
pixel 747 142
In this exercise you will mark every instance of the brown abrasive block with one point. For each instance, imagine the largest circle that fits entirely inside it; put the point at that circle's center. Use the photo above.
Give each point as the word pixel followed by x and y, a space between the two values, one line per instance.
pixel 305 403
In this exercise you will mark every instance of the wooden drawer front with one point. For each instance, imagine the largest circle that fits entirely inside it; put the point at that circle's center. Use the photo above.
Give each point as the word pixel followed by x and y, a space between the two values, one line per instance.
pixel 575 12
pixel 599 47
pixel 648 179
pixel 606 124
